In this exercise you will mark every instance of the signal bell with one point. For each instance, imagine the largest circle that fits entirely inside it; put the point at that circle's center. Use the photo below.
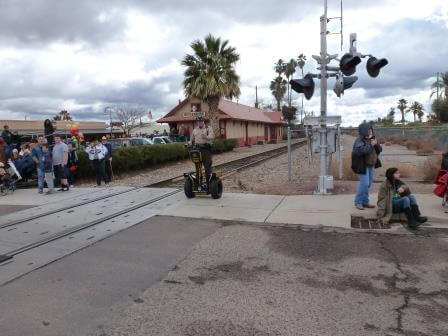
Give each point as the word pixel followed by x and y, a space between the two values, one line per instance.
pixel 374 66
pixel 305 86
pixel 348 64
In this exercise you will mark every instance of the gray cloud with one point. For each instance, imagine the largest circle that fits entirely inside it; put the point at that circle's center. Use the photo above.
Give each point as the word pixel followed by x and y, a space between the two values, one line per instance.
pixel 416 49
pixel 32 22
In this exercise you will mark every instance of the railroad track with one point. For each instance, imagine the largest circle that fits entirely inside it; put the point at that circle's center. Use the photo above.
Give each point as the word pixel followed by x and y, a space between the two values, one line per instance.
pixel 231 167
pixel 62 231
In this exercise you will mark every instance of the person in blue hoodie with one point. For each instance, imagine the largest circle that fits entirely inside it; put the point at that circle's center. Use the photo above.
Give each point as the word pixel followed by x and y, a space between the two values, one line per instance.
pixel 365 158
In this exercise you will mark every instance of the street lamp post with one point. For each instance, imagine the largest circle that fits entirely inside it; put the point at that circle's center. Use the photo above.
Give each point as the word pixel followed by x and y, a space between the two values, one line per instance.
pixel 110 117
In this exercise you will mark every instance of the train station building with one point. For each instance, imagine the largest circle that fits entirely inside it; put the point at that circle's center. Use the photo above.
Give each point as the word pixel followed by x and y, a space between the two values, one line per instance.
pixel 248 124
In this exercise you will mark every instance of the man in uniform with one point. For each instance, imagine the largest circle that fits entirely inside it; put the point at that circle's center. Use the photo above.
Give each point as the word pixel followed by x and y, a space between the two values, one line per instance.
pixel 202 136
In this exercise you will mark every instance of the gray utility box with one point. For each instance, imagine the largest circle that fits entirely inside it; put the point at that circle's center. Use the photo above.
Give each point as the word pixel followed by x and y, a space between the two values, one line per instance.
pixel 332 139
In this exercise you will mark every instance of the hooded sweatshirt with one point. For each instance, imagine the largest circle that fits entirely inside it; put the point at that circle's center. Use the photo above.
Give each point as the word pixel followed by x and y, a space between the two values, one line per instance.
pixel 361 150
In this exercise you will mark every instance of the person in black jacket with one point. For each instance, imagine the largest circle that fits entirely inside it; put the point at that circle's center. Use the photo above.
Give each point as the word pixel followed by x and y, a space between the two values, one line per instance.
pixel 365 158
pixel 107 160
pixel 49 132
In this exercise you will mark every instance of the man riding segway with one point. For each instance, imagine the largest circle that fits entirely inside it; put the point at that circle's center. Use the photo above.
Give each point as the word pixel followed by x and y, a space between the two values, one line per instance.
pixel 202 137
pixel 201 154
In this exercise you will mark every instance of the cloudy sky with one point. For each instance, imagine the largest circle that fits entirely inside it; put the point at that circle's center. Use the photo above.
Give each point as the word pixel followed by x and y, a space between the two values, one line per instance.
pixel 83 55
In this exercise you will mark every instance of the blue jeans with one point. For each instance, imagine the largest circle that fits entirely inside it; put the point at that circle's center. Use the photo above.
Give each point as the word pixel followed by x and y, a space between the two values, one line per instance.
pixel 399 204
pixel 40 178
pixel 365 182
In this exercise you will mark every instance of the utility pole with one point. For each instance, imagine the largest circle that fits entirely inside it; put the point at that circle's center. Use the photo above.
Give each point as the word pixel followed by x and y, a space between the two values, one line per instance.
pixel 437 86
pixel 322 184
pixel 110 118
pixel 256 96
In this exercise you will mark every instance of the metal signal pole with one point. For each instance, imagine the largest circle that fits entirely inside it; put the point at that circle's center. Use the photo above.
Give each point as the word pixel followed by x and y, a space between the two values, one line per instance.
pixel 322 185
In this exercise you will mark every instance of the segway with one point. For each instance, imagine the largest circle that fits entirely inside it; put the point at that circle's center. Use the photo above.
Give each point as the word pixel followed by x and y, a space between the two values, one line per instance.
pixel 195 182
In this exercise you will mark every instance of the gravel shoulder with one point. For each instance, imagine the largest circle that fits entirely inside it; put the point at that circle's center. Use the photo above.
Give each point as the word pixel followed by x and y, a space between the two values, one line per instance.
pixel 162 172
pixel 271 177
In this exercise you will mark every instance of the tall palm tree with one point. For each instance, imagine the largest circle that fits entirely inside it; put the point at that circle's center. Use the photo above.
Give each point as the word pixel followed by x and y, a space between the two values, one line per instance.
pixel 289 72
pixel 441 85
pixel 280 67
pixel 416 108
pixel 278 89
pixel 301 60
pixel 402 106
pixel 210 74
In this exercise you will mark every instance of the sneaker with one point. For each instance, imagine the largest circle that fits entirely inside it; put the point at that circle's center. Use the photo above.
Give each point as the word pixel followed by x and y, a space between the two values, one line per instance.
pixel 359 207
pixel 61 189
pixel 71 186
pixel 50 192
pixel 41 191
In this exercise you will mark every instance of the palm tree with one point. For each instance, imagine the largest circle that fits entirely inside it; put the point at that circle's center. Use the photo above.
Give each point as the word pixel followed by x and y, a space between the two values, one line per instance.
pixel 301 60
pixel 210 74
pixel 63 115
pixel 416 108
pixel 402 106
pixel 420 114
pixel 280 67
pixel 441 84
pixel 391 114
pixel 278 89
pixel 289 72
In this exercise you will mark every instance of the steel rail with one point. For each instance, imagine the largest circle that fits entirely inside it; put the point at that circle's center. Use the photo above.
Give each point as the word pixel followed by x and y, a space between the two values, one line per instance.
pixel 75 229
pixel 264 156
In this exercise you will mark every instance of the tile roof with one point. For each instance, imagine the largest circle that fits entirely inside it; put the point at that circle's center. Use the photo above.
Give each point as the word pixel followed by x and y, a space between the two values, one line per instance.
pixel 235 111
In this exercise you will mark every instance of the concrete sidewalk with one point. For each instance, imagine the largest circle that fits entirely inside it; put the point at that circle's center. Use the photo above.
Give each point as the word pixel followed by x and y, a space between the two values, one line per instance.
pixel 331 211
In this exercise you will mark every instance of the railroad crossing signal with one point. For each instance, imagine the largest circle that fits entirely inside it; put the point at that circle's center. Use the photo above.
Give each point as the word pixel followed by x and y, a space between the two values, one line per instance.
pixel 343 83
pixel 348 64
pixel 374 66
pixel 305 86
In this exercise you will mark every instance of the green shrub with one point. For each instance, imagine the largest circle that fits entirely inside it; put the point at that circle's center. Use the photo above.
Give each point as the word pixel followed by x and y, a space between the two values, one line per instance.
pixel 127 159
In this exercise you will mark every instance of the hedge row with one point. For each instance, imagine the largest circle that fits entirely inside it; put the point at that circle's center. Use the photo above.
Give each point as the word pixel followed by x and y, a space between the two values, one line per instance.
pixel 127 159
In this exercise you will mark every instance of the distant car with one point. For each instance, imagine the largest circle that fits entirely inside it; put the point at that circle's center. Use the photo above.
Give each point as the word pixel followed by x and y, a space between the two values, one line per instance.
pixel 139 141
pixel 161 140
pixel 128 142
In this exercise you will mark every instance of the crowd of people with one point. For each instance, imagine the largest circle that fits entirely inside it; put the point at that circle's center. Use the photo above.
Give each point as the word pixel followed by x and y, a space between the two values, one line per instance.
pixel 51 159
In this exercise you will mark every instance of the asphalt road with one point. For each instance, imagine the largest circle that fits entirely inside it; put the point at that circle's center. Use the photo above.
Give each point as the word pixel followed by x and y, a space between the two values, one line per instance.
pixel 246 280
pixel 83 292
pixel 173 276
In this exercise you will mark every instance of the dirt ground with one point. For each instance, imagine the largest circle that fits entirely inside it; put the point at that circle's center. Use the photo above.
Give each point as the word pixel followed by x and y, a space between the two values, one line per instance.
pixel 271 177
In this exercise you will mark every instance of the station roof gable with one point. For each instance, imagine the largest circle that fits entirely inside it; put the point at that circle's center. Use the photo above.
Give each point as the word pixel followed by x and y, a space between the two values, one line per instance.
pixel 229 110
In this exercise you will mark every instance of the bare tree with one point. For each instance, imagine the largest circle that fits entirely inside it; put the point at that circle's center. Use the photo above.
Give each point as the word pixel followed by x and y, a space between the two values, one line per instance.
pixel 129 116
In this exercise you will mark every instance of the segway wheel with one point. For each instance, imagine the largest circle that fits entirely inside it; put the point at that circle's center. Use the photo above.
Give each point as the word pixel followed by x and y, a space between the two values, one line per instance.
pixel 188 188
pixel 216 188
